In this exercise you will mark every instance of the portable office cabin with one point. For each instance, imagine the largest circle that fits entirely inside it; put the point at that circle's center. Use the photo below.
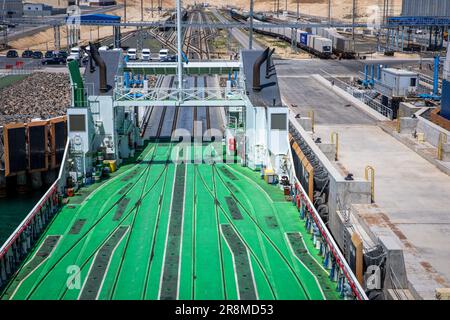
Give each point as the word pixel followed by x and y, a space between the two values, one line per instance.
pixel 397 82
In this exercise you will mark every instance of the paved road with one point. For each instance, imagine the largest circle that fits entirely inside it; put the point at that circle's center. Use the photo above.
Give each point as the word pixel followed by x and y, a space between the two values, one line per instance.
pixel 307 94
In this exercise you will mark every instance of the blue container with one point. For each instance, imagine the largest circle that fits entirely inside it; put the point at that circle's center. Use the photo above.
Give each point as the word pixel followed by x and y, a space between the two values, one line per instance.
pixel 304 38
pixel 445 102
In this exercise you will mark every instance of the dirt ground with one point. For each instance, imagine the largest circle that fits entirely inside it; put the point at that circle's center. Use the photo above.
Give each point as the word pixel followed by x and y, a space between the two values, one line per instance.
pixel 341 9
pixel 44 40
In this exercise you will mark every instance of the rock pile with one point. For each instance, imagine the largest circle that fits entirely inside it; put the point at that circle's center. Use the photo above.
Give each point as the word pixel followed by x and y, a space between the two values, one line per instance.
pixel 41 95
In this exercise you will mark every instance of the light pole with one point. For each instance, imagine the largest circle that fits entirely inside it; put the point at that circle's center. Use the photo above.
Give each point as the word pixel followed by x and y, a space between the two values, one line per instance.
pixel 250 38
pixel 179 47
pixel 329 12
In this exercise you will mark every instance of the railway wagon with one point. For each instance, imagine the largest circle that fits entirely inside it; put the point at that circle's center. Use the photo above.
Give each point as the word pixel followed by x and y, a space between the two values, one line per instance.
pixel 320 48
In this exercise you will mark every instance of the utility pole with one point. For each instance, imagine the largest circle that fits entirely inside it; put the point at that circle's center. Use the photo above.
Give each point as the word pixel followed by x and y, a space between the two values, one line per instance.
pixel 353 20
pixel 142 10
pixel 124 10
pixel 250 38
pixel 329 12
pixel 298 9
pixel 353 23
pixel 151 4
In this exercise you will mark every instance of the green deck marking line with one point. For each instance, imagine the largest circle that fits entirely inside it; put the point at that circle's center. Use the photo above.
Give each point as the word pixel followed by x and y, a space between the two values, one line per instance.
pixel 99 266
pixel 244 274
pixel 271 222
pixel 169 285
pixel 302 253
pixel 121 209
pixel 234 210
pixel 77 226
pixel 228 174
pixel 42 254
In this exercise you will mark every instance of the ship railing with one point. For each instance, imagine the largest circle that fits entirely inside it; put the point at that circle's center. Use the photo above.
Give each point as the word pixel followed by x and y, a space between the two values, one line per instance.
pixel 21 241
pixel 334 260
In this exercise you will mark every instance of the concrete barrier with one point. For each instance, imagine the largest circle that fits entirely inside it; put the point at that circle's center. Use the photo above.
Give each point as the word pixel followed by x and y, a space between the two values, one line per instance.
pixel 347 96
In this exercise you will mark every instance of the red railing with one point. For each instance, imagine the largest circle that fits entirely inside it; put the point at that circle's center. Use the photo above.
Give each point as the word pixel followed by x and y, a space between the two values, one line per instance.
pixel 357 290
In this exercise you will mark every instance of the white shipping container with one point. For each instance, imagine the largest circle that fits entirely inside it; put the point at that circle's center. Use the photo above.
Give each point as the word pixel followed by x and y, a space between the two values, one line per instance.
pixel 311 38
pixel 322 45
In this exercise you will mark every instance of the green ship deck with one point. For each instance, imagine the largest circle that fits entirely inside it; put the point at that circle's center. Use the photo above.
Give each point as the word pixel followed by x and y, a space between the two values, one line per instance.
pixel 163 230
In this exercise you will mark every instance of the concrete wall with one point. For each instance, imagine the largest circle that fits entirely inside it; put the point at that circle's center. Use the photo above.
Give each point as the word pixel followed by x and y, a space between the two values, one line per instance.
pixel 342 193
pixel 431 131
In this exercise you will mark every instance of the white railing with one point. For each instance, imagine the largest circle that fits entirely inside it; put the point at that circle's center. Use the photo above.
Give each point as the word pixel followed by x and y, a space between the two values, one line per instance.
pixel 173 94
pixel 356 287
pixel 14 250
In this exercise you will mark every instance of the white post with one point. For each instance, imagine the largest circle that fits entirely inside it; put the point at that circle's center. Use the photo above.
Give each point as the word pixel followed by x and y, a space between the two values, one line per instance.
pixel 179 48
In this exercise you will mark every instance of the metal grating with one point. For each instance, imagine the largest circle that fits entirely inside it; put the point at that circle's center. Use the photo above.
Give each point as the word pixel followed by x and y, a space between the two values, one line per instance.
pixel 41 255
pixel 295 238
pixel 246 285
pixel 234 209
pixel 121 208
pixel 125 188
pixel 228 173
pixel 271 222
pixel 98 268
pixel 77 226
pixel 169 283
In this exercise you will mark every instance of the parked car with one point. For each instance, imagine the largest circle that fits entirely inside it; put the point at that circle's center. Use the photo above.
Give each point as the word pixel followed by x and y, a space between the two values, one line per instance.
pixel 48 54
pixel 170 58
pixel 163 53
pixel 132 54
pixel 56 58
pixel 27 54
pixel 63 53
pixel 12 54
pixel 75 53
pixel 146 54
pixel 37 55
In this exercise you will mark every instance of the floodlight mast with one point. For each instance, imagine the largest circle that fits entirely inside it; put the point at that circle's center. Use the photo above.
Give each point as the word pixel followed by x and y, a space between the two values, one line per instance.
pixel 179 48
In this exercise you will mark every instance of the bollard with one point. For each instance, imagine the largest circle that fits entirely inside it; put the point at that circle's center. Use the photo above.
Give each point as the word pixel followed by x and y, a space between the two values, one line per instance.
pixel 333 135
pixel 442 141
pixel 372 181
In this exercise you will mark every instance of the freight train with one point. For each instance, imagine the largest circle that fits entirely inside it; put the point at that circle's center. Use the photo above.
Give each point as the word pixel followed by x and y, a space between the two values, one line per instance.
pixel 322 42
pixel 317 45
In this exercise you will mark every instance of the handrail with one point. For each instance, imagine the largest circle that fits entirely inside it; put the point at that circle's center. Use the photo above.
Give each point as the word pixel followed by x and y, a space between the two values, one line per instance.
pixel 340 260
pixel 26 221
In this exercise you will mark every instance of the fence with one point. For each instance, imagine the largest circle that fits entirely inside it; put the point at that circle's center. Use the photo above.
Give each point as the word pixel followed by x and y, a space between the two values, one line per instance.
pixel 21 241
